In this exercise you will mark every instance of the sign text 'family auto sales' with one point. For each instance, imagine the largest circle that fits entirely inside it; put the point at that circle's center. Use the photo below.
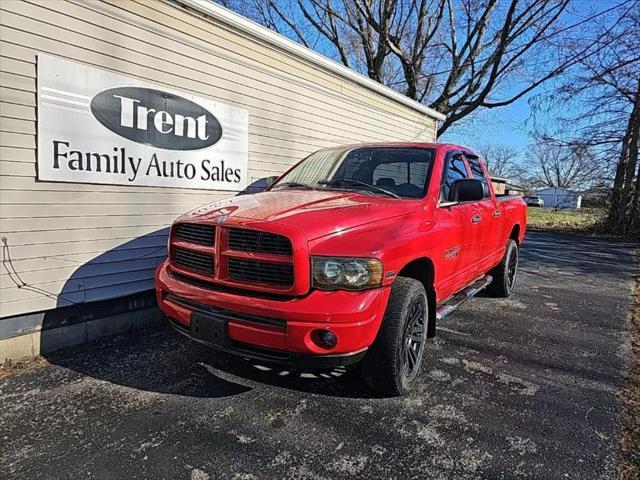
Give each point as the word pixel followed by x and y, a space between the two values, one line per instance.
pixel 98 127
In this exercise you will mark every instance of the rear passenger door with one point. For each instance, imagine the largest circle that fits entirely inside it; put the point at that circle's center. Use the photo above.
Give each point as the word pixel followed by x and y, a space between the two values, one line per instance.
pixel 459 232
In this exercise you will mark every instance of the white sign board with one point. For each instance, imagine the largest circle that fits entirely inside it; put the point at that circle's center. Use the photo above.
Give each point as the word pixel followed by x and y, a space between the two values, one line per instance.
pixel 98 127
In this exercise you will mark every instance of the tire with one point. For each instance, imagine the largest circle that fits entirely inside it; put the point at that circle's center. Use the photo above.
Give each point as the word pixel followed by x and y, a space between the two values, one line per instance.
pixel 393 361
pixel 505 274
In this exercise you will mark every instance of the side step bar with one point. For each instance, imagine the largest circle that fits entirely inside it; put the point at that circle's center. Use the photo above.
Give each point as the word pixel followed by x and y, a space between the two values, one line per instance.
pixel 462 296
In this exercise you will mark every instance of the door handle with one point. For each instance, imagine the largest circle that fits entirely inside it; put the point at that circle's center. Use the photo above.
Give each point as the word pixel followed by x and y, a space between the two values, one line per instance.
pixel 496 213
pixel 476 219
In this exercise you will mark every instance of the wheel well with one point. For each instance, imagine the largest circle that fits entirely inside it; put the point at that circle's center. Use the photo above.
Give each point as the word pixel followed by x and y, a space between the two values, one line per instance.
pixel 515 233
pixel 422 269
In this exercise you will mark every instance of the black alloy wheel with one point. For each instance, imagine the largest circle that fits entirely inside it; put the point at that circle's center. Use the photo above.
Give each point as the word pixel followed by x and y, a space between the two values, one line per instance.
pixel 505 274
pixel 392 364
pixel 413 340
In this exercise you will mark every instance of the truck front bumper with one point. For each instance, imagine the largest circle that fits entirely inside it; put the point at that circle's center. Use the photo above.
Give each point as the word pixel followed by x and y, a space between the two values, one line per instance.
pixel 271 329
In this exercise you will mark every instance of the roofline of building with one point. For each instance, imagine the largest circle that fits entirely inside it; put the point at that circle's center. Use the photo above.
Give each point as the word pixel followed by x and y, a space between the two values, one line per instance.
pixel 224 15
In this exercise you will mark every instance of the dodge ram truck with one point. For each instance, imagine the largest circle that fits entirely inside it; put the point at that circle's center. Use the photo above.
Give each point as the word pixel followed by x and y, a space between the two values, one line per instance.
pixel 352 256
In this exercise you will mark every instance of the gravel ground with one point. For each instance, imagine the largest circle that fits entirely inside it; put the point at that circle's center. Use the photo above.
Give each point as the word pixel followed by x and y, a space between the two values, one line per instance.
pixel 521 388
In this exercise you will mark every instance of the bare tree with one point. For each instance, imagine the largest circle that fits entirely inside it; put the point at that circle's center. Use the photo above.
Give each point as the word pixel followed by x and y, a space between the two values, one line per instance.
pixel 623 213
pixel 555 165
pixel 606 87
pixel 456 56
pixel 501 160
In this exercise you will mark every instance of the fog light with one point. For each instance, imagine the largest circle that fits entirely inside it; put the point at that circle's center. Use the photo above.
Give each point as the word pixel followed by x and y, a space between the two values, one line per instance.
pixel 324 338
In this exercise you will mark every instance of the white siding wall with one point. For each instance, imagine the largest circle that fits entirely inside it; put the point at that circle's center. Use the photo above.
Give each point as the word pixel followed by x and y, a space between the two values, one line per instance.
pixel 556 197
pixel 76 242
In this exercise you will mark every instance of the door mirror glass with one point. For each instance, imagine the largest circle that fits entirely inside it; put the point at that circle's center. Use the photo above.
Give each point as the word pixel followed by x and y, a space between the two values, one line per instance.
pixel 258 186
pixel 466 190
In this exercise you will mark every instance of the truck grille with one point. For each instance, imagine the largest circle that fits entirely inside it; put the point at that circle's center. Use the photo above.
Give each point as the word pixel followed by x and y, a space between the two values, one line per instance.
pixel 192 260
pixel 253 241
pixel 198 233
pixel 260 272
pixel 226 255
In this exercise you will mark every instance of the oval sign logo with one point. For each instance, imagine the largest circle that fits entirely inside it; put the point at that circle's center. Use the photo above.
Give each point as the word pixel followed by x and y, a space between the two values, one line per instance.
pixel 157 118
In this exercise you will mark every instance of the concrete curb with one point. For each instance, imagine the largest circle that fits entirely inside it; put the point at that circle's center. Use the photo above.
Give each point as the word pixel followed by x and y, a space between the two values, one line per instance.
pixel 30 345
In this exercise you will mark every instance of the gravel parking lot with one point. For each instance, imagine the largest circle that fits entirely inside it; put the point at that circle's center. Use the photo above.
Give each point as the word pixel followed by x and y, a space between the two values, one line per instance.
pixel 525 387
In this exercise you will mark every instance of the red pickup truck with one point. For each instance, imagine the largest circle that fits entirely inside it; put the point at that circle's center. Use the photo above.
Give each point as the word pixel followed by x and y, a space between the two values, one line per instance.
pixel 352 256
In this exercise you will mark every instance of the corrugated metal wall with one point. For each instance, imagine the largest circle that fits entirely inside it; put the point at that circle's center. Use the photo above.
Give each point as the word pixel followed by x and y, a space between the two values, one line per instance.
pixel 72 243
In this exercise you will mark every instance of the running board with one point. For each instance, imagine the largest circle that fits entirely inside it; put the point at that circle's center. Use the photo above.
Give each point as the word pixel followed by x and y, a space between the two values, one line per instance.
pixel 462 296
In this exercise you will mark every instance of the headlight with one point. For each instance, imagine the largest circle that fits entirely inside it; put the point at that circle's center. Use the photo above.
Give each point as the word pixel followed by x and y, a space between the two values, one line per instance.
pixel 332 273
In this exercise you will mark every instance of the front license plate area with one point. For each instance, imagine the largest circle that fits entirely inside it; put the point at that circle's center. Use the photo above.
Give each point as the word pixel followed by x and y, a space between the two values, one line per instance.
pixel 209 329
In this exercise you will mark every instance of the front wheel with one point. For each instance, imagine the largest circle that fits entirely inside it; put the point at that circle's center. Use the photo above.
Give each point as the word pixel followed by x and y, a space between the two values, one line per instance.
pixel 506 273
pixel 393 361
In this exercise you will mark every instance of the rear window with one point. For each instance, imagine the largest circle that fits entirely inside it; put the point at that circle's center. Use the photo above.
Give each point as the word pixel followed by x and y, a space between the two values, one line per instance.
pixel 406 177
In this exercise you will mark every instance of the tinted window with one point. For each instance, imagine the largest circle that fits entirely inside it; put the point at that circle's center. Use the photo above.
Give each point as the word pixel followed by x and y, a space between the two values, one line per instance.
pixel 406 178
pixel 395 173
pixel 478 174
pixel 418 172
pixel 456 170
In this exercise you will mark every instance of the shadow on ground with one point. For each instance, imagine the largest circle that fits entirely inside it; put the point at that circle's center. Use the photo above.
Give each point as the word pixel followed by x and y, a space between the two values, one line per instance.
pixel 525 387
pixel 163 361
pixel 166 362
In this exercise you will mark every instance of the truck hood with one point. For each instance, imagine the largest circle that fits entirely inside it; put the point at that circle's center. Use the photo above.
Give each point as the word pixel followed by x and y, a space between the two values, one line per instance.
pixel 316 213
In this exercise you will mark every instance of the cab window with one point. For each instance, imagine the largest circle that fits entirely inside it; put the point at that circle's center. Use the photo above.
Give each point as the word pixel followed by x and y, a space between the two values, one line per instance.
pixel 407 177
pixel 395 172
pixel 456 169
pixel 478 173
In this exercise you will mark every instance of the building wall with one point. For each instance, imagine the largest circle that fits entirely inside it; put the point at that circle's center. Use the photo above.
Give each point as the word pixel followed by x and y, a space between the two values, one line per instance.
pixel 559 198
pixel 73 243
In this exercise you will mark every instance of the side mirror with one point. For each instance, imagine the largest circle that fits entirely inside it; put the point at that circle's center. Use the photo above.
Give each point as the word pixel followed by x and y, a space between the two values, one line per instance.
pixel 466 190
pixel 258 186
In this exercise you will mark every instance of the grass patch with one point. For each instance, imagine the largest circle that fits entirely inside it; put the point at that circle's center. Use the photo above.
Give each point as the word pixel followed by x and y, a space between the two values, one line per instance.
pixel 629 460
pixel 9 368
pixel 587 220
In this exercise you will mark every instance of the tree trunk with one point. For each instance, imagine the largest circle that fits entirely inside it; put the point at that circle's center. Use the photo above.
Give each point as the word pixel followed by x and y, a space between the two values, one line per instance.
pixel 632 182
pixel 614 216
pixel 618 218
pixel 629 184
pixel 634 227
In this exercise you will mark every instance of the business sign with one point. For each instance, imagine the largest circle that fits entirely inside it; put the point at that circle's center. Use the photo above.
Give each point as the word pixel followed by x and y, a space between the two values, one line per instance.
pixel 98 127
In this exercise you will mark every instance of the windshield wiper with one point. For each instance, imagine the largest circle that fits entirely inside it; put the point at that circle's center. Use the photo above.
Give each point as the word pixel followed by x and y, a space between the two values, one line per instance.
pixel 351 181
pixel 293 185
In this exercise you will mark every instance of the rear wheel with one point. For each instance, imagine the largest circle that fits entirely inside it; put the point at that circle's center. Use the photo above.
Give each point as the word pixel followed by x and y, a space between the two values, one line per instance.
pixel 506 273
pixel 393 361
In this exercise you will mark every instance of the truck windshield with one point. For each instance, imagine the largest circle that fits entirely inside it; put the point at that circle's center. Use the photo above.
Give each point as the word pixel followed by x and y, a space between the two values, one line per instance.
pixel 393 171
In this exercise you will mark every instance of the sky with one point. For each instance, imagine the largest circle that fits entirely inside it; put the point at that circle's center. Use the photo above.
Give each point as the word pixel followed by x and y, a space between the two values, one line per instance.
pixel 504 125
pixel 509 125
pixel 512 125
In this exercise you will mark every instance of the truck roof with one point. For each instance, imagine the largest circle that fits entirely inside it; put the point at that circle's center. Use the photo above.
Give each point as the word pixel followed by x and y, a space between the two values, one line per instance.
pixel 434 145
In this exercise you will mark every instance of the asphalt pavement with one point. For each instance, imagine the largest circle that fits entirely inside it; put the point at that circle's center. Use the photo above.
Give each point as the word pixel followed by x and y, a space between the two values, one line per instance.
pixel 526 387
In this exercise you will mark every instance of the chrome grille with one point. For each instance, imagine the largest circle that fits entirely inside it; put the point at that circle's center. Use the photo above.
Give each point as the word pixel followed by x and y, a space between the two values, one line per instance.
pixel 198 233
pixel 254 241
pixel 192 260
pixel 260 272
